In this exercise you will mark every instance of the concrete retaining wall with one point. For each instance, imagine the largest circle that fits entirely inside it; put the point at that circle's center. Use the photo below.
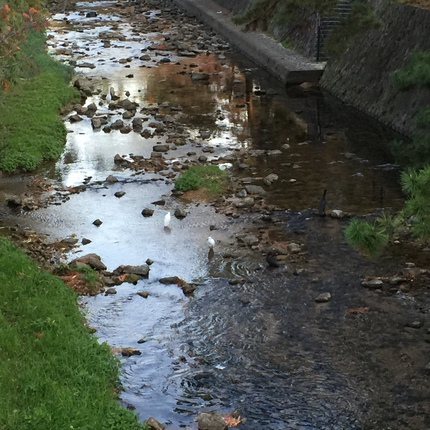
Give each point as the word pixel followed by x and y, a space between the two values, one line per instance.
pixel 361 77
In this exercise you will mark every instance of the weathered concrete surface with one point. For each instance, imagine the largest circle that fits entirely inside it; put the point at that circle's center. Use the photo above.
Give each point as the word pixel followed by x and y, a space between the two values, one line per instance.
pixel 286 65
pixel 362 79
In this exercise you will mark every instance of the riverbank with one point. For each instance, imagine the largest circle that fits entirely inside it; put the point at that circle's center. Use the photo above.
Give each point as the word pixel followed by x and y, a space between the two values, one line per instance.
pixel 54 373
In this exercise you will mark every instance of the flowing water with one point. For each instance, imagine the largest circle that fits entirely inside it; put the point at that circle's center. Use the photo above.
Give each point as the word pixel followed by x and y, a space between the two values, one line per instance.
pixel 261 345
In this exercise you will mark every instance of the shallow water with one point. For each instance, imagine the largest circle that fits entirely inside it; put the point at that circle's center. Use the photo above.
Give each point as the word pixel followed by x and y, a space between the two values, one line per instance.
pixel 262 346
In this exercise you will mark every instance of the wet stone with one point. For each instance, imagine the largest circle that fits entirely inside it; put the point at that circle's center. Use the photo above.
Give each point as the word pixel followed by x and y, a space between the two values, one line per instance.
pixel 415 324
pixel 372 284
pixel 143 294
pixel 75 118
pixel 111 179
pixel 147 212
pixel 97 222
pixel 153 424
pixel 85 241
pixel 160 148
pixel 110 291
pixel 323 297
pixel 119 194
pixel 180 213
pixel 211 421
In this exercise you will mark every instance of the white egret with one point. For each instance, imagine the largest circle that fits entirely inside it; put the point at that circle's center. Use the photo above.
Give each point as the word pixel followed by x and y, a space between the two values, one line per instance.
pixel 109 96
pixel 211 243
pixel 167 218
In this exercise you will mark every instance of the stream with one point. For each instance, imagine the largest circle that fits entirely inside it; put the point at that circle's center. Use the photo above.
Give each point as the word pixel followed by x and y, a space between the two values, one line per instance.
pixel 252 338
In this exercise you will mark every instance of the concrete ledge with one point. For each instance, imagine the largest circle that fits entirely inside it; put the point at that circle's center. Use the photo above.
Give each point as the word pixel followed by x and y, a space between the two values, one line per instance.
pixel 287 66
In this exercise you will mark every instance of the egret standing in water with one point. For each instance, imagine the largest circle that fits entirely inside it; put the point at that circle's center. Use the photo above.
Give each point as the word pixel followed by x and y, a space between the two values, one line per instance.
pixel 167 218
pixel 109 95
pixel 211 244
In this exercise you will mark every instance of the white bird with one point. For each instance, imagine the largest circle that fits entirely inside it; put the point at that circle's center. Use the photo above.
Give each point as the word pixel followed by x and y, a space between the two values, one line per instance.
pixel 211 243
pixel 109 96
pixel 167 220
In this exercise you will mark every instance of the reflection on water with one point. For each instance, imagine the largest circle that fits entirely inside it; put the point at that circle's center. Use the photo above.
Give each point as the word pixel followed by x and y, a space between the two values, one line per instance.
pixel 260 346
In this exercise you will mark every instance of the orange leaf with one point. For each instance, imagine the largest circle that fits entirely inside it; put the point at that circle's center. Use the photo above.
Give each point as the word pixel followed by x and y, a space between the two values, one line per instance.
pixel 357 310
pixel 6 8
pixel 232 421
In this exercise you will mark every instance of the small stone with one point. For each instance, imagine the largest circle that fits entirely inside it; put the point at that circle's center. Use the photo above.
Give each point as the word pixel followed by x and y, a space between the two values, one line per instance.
pixel 143 294
pixel 110 291
pixel 141 340
pixel 149 261
pixel 180 213
pixel 337 214
pixel 415 324
pixel 85 241
pixel 97 222
pixel 119 194
pixel 147 212
pixel 128 351
pixel 323 297
pixel 211 421
pixel 153 424
pixel 373 284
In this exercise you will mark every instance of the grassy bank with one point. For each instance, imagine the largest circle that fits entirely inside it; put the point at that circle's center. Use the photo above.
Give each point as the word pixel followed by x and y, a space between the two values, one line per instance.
pixel 53 373
pixel 31 129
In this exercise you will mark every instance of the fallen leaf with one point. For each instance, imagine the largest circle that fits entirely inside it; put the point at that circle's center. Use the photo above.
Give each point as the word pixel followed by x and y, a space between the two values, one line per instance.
pixel 357 310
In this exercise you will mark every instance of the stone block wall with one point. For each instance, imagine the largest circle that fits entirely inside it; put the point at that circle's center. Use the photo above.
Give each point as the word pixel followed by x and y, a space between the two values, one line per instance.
pixel 362 77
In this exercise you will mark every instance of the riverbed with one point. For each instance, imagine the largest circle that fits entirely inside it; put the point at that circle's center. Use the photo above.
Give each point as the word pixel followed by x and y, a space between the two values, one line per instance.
pixel 252 338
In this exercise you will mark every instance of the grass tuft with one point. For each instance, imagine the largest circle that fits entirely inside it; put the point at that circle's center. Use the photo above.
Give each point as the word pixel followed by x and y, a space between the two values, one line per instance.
pixel 209 177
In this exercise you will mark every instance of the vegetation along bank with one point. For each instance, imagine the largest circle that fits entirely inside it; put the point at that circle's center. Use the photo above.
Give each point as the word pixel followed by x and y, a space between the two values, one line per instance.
pixel 54 373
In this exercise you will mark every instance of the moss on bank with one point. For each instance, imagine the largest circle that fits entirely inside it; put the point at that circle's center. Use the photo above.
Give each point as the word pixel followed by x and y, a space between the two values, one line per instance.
pixel 31 128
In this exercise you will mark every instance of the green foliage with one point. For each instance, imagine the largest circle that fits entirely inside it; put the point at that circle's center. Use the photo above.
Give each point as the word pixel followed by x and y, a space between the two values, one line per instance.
pixel 31 129
pixel 416 72
pixel 367 237
pixel 90 275
pixel 415 217
pixel 17 19
pixel 54 374
pixel 362 18
pixel 415 183
pixel 212 178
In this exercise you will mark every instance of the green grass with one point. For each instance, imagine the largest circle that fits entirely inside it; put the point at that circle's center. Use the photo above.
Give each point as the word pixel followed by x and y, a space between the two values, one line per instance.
pixel 211 178
pixel 53 374
pixel 30 126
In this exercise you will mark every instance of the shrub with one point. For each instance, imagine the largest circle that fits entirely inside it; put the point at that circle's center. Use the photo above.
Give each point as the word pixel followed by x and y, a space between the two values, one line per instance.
pixel 367 237
pixel 416 72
